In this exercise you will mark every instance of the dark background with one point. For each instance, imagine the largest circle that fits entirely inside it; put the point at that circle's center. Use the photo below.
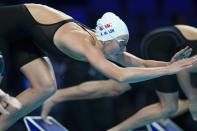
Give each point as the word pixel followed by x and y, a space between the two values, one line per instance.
pixel 141 16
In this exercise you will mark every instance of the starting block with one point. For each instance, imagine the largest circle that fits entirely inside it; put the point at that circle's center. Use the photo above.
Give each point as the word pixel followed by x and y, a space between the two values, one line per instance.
pixel 35 123
pixel 163 125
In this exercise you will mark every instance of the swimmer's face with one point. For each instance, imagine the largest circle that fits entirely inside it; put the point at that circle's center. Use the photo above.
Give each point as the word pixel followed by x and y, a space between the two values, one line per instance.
pixel 114 48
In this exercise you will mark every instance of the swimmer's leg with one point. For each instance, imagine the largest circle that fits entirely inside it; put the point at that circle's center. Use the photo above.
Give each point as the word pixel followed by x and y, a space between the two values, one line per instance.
pixel 189 90
pixel 43 86
pixel 166 108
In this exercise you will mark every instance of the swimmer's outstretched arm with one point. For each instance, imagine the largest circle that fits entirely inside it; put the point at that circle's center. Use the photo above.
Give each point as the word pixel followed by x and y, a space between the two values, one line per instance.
pixel 129 60
pixel 132 74
pixel 95 57
pixel 147 115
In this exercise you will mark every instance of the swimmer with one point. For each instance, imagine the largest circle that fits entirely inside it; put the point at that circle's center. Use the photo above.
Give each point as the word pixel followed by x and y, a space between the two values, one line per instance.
pixel 38 30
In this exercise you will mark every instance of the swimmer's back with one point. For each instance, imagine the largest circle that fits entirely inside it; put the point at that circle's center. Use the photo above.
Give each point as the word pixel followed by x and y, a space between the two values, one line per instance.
pixel 46 15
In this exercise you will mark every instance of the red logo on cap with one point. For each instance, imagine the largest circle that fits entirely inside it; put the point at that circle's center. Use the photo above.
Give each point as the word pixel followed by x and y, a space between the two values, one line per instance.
pixel 108 25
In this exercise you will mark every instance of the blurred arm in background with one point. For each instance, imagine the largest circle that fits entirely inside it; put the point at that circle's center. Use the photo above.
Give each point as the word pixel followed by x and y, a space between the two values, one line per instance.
pixel 86 90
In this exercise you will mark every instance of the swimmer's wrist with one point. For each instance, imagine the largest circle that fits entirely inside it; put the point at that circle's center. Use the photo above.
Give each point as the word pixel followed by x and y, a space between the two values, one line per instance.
pixel 168 70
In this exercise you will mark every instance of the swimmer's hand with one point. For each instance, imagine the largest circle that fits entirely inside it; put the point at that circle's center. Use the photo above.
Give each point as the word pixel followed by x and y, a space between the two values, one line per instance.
pixel 181 65
pixel 6 100
pixel 46 108
pixel 182 54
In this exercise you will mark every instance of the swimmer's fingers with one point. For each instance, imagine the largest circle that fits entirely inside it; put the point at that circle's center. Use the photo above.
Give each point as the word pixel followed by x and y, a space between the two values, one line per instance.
pixel 182 54
pixel 4 97
pixel 46 108
pixel 12 101
pixel 187 53
pixel 3 110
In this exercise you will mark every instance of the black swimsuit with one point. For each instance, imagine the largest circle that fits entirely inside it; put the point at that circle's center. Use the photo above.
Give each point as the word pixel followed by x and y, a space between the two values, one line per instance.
pixel 161 44
pixel 23 39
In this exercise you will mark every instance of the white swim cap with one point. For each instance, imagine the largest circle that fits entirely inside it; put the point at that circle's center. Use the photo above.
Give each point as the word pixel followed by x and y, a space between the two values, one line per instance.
pixel 110 26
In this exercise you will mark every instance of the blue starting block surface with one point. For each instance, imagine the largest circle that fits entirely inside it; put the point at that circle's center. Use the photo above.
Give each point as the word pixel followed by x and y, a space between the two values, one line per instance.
pixel 163 125
pixel 35 123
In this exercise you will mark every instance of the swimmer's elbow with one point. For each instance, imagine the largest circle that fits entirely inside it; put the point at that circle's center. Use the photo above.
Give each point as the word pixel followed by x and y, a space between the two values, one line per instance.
pixel 120 76
pixel 121 79
pixel 124 76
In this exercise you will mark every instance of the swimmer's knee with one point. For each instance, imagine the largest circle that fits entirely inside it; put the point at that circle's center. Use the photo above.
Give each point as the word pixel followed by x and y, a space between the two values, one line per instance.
pixel 169 103
pixel 48 87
